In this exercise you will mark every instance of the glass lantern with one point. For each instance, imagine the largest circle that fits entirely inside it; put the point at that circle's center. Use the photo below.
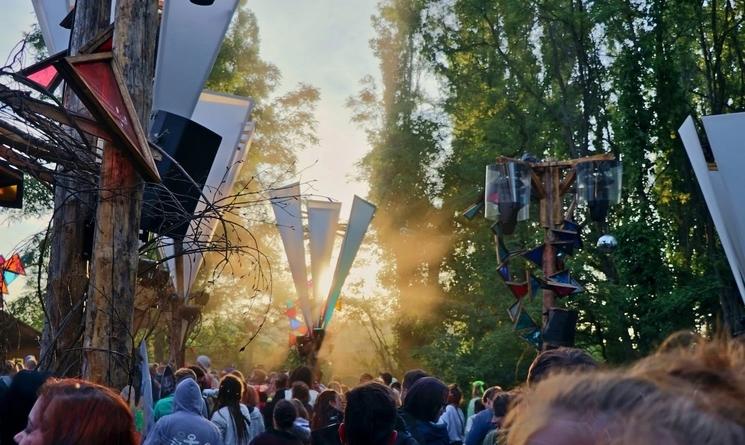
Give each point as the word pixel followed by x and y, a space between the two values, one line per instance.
pixel 507 197
pixel 599 186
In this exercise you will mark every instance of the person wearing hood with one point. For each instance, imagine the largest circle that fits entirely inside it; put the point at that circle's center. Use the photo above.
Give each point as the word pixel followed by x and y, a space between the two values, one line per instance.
pixel 186 424
pixel 422 407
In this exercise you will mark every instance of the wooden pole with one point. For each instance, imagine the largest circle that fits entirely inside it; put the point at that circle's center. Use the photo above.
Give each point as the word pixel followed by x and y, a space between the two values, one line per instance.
pixel 74 205
pixel 550 205
pixel 109 338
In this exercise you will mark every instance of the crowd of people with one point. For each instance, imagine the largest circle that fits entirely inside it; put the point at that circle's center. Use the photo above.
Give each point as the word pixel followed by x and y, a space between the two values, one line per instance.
pixel 691 391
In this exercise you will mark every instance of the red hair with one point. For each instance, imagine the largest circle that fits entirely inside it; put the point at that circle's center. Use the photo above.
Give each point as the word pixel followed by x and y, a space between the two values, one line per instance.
pixel 79 412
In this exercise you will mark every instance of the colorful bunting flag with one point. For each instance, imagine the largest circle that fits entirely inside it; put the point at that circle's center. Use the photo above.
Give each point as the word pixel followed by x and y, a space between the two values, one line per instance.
pixel 571 226
pixel 295 324
pixel 518 289
pixel 524 322
pixel 533 337
pixel 561 289
pixel 514 311
pixel 291 312
pixel 11 269
pixel 504 272
pixel 473 210
pixel 535 256
pixel 535 285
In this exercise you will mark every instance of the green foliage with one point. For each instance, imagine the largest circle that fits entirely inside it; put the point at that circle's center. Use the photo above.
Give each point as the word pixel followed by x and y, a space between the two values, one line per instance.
pixel 556 79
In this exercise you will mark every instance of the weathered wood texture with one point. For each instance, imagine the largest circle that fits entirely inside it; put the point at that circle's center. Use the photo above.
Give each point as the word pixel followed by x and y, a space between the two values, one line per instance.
pixel 109 334
pixel 74 205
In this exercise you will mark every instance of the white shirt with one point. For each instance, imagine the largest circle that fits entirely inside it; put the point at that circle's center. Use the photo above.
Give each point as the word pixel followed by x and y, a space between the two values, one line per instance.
pixel 455 421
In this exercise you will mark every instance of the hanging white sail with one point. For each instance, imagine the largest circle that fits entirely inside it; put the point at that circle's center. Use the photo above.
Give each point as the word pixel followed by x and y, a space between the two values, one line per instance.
pixel 359 220
pixel 287 211
pixel 323 221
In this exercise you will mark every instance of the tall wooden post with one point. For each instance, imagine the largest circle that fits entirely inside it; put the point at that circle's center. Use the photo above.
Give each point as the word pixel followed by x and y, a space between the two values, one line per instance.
pixel 550 205
pixel 108 335
pixel 74 205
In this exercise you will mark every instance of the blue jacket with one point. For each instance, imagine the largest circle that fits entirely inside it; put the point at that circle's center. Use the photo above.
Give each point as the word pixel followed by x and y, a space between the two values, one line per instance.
pixel 482 424
pixel 186 425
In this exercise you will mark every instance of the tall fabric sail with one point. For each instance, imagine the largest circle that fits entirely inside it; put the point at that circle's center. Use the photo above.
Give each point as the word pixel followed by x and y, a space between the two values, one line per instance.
pixel 323 220
pixel 228 116
pixel 287 211
pixel 359 221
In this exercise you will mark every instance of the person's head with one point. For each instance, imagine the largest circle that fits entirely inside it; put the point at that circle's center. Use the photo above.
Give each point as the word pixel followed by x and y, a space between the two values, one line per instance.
pixel 477 389
pixel 335 386
pixel 302 374
pixel 327 404
pixel 184 373
pixel 410 378
pixel 387 378
pixel 396 386
pixel 251 397
pixel 425 399
pixel 301 408
pixel 365 378
pixel 238 374
pixel 369 417
pixel 188 397
pixel 7 367
pixel 489 395
pixel 501 403
pixel 559 360
pixel 18 401
pixel 204 362
pixel 478 406
pixel 455 396
pixel 281 381
pixel 258 377
pixel 72 411
pixel 203 378
pixel 29 363
pixel 301 392
pixel 284 415
pixel 229 396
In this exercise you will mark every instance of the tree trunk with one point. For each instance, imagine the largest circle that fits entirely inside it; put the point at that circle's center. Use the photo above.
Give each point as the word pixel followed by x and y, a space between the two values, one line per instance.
pixel 109 340
pixel 74 204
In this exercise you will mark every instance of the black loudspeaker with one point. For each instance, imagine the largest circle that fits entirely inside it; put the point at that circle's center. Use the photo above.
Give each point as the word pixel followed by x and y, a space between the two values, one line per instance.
pixel 11 186
pixel 561 326
pixel 168 207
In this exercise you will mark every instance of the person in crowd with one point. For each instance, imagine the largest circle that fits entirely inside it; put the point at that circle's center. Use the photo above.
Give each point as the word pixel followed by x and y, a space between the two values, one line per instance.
pixel 280 386
pixel 235 421
pixel 477 391
pixel 477 408
pixel 301 392
pixel 483 422
pixel 387 378
pixel 30 363
pixel 424 401
pixel 283 419
pixel 129 396
pixel 186 422
pixel 370 416
pixel 7 371
pixel 208 381
pixel 453 417
pixel 72 411
pixel 365 378
pixel 305 375
pixel 301 429
pixel 410 378
pixel 499 406
pixel 164 406
pixel 559 360
pixel 328 410
pixel 17 402
pixel 327 416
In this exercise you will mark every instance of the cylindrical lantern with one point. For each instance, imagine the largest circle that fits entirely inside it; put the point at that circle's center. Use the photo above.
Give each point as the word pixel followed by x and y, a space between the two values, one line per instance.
pixel 599 186
pixel 507 197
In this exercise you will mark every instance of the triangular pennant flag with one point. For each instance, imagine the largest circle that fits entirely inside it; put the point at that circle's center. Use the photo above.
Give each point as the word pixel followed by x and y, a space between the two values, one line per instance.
pixel 9 276
pixel 564 235
pixel 514 311
pixel 518 289
pixel 504 272
pixel 524 322
pixel 535 256
pixel 44 73
pixel 535 286
pixel 291 312
pixel 303 330
pixel 323 220
pixel 289 304
pixel 571 226
pixel 533 337
pixel 473 210
pixel 293 340
pixel 579 287
pixel 561 277
pixel 561 289
pixel 295 324
pixel 96 80
pixel 565 247
pixel 502 251
pixel 14 264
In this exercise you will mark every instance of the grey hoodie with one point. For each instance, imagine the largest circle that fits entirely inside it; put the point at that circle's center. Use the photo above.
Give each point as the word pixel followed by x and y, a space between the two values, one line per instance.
pixel 185 426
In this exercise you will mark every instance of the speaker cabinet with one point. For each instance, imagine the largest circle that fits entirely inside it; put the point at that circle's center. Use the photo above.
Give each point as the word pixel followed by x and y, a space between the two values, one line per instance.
pixel 168 207
pixel 561 326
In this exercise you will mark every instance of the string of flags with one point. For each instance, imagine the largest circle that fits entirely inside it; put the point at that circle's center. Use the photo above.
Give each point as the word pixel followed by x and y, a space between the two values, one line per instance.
pixel 566 240
pixel 11 269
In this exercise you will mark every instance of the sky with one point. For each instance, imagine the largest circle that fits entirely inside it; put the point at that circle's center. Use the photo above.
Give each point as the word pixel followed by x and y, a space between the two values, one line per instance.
pixel 321 42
